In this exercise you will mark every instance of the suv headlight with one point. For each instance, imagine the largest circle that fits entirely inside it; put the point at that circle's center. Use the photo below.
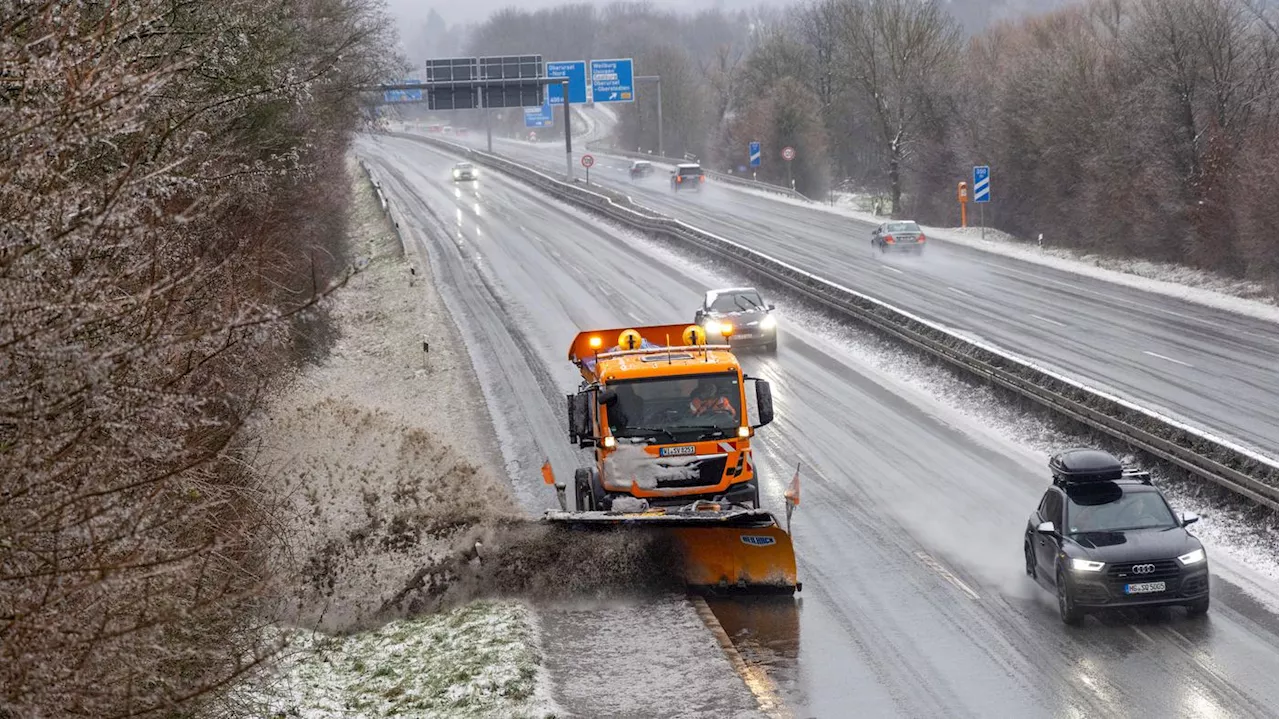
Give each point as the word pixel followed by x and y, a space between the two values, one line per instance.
pixel 1192 557
pixel 1085 565
pixel 712 327
pixel 768 322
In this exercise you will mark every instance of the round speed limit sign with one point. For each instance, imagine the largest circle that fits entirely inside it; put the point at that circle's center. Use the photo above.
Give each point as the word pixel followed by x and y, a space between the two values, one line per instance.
pixel 588 161
pixel 788 153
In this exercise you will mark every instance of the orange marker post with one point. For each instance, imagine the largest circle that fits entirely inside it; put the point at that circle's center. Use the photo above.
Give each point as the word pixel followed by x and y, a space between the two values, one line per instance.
pixel 962 195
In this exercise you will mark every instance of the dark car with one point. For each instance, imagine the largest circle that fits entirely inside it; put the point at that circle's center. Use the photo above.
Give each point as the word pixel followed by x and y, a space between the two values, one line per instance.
pixel 901 236
pixel 641 168
pixel 1104 538
pixel 687 176
pixel 743 312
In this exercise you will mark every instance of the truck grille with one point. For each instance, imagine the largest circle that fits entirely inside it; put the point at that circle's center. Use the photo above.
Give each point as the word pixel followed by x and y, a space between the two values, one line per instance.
pixel 710 471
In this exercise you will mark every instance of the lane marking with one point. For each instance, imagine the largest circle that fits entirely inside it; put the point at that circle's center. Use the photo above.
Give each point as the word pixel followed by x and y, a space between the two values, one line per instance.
pixel 943 572
pixel 1142 634
pixel 1046 319
pixel 959 291
pixel 757 680
pixel 892 269
pixel 1169 359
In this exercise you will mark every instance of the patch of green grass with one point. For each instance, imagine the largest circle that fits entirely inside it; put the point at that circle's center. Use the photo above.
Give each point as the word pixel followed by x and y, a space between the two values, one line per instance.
pixel 480 660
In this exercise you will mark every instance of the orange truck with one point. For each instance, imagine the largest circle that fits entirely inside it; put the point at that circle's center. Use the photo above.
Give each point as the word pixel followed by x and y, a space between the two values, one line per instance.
pixel 666 414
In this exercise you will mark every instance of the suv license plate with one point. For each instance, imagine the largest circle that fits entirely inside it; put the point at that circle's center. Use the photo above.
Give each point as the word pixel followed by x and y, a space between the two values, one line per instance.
pixel 1144 588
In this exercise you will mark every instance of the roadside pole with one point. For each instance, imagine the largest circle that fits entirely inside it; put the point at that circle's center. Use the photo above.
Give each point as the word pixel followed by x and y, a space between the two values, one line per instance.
pixel 488 127
pixel 657 80
pixel 962 196
pixel 568 138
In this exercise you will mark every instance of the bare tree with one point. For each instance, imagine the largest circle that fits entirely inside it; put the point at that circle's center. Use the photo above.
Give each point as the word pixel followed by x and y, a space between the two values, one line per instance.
pixel 897 53
pixel 171 205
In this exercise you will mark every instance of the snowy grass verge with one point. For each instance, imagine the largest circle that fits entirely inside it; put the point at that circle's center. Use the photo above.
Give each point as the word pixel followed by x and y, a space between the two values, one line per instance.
pixel 480 660
pixel 1250 299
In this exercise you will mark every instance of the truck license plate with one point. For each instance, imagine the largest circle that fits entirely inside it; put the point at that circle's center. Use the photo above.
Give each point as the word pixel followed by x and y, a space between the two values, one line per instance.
pixel 1144 588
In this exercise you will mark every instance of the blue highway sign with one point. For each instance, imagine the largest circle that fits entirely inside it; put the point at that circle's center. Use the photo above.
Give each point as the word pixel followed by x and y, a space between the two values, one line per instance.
pixel 404 95
pixel 981 183
pixel 576 72
pixel 753 151
pixel 612 81
pixel 537 116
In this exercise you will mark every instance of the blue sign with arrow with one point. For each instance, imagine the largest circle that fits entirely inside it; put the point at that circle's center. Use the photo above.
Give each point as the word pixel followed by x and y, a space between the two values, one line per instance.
pixel 537 116
pixel 576 73
pixel 612 81
pixel 982 183
pixel 753 151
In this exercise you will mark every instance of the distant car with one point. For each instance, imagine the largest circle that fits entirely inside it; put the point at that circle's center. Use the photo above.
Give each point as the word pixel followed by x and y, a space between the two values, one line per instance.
pixel 465 171
pixel 901 236
pixel 750 321
pixel 687 176
pixel 1104 538
pixel 641 168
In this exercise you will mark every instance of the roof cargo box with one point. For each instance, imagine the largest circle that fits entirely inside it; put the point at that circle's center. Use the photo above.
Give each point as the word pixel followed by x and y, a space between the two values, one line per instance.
pixel 1085 465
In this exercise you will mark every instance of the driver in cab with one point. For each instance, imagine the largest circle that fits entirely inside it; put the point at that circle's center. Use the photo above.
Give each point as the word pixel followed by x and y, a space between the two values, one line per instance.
pixel 707 399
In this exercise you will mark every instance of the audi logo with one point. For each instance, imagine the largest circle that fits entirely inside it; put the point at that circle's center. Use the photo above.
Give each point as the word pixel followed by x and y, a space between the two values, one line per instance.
pixel 1144 568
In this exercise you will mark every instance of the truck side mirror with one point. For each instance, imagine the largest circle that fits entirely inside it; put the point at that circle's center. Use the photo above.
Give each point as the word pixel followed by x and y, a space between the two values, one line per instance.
pixel 764 403
pixel 580 430
pixel 609 397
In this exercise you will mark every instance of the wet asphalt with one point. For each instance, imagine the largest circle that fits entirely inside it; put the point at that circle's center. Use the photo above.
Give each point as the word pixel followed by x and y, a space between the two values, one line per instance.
pixel 909 535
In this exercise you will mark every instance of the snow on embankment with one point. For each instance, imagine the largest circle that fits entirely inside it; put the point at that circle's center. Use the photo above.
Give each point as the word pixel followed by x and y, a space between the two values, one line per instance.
pixel 397 518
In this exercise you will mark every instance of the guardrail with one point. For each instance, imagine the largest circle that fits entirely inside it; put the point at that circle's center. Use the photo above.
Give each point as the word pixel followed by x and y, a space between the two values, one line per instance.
pixel 386 207
pixel 718 176
pixel 1217 460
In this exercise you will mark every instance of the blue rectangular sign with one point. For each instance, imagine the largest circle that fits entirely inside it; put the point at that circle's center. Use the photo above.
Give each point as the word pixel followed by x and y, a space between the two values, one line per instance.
pixel 753 151
pixel 612 81
pixel 404 95
pixel 576 72
pixel 537 116
pixel 981 183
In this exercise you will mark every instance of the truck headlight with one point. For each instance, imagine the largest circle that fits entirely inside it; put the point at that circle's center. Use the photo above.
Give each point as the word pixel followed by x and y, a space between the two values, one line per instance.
pixel 712 327
pixel 1192 557
pixel 1085 565
pixel 768 322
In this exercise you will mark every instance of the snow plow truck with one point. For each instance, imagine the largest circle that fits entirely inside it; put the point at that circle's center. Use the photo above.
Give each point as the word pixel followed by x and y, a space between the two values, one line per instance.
pixel 666 414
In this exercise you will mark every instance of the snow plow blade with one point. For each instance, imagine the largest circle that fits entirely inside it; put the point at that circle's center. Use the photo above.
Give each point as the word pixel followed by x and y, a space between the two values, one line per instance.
pixel 730 551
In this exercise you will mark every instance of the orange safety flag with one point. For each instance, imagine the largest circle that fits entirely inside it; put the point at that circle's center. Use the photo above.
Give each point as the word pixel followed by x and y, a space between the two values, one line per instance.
pixel 547 475
pixel 793 490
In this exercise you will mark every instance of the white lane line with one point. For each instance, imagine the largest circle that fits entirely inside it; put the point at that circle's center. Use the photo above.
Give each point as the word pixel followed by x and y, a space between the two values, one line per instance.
pixel 1052 322
pixel 959 291
pixel 1169 359
pixel 942 571
pixel 892 269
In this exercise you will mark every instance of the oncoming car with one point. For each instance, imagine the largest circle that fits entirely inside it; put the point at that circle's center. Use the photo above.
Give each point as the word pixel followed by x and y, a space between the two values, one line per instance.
pixel 743 313
pixel 465 171
pixel 687 176
pixel 1104 538
pixel 902 236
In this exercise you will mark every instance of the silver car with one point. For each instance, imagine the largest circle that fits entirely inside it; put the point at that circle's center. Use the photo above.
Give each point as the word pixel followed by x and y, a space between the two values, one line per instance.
pixel 898 236
pixel 465 171
pixel 743 313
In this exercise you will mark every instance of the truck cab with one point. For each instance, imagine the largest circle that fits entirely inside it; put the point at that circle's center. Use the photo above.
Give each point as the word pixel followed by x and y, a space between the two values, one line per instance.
pixel 667 416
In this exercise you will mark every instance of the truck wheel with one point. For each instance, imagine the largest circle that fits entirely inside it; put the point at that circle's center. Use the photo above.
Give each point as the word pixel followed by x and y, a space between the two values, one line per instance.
pixel 583 491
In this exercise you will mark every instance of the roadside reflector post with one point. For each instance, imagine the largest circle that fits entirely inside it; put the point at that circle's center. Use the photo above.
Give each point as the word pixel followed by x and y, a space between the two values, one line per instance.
pixel 962 196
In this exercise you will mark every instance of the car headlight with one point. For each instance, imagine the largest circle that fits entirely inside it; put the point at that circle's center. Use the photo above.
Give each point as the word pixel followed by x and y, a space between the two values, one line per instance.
pixel 768 322
pixel 1192 557
pixel 1085 565
pixel 455 173
pixel 712 327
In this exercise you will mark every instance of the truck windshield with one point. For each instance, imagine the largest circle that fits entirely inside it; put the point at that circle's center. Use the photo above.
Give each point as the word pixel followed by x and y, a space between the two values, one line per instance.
pixel 677 409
